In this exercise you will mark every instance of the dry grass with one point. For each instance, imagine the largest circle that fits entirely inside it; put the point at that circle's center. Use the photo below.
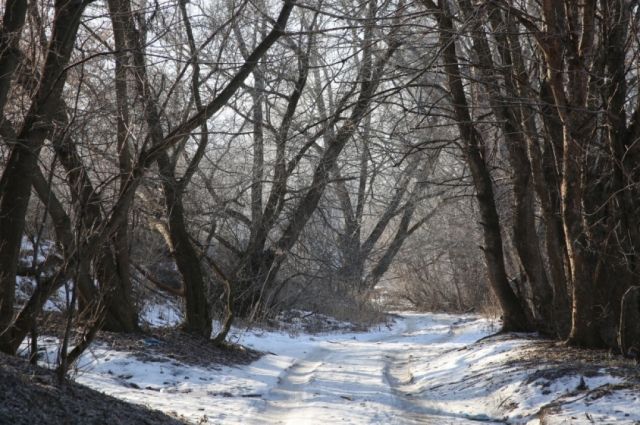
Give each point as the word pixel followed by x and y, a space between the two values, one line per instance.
pixel 553 359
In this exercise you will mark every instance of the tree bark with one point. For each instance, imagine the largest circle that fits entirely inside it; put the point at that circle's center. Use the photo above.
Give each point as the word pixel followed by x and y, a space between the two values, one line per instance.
pixel 513 317
pixel 121 315
pixel 524 222
pixel 629 330
pixel 571 97
pixel 22 163
pixel 545 177
pixel 198 319
pixel 13 20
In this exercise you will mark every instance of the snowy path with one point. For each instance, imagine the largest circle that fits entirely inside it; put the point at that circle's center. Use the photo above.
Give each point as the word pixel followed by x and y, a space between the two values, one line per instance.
pixel 360 381
pixel 424 369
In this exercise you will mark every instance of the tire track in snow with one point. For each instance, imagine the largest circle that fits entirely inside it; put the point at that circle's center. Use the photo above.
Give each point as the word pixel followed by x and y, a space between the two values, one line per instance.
pixel 323 388
pixel 358 382
pixel 399 376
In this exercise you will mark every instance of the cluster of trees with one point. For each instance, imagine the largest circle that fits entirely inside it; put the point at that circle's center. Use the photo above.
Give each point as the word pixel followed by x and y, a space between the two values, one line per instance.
pixel 283 147
pixel 552 86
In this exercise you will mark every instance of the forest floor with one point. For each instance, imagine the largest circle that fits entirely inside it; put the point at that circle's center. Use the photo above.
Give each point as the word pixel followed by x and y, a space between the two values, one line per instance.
pixel 417 369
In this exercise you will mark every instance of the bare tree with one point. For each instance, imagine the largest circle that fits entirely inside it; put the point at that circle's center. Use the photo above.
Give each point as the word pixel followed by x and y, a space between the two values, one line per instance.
pixel 22 163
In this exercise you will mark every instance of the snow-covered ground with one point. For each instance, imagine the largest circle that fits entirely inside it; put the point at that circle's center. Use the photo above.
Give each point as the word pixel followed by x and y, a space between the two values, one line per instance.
pixel 425 368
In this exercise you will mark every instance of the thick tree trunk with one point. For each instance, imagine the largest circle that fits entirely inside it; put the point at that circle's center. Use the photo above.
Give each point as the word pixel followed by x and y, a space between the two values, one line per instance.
pixel 524 221
pixel 13 208
pixel 198 319
pixel 16 178
pixel 112 274
pixel 121 236
pixel 547 173
pixel 584 328
pixel 513 316
pixel 622 199
pixel 569 81
pixel 13 20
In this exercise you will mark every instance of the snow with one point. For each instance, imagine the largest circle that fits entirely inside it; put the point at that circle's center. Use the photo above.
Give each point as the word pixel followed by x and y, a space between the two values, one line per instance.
pixel 46 248
pixel 157 315
pixel 25 285
pixel 424 368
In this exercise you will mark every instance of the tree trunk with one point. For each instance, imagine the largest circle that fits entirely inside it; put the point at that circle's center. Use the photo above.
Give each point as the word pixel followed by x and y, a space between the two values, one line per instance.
pixel 547 173
pixel 629 331
pixel 524 222
pixel 513 316
pixel 198 318
pixel 16 178
pixel 258 266
pixel 121 316
pixel 13 208
pixel 584 329
pixel 569 81
pixel 13 20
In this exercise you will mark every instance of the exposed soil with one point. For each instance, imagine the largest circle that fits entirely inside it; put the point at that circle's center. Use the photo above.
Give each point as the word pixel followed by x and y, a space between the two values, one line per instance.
pixel 158 343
